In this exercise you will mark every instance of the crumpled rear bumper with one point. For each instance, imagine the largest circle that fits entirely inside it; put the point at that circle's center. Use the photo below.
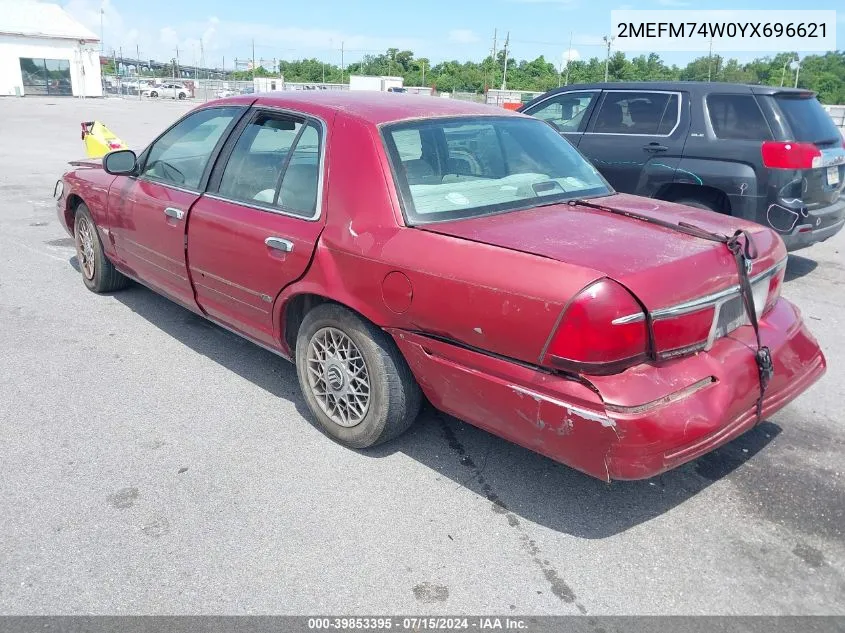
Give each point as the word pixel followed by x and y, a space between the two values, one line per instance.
pixel 632 425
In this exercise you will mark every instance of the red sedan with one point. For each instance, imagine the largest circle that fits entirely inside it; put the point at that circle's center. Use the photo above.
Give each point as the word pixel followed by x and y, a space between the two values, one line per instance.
pixel 394 248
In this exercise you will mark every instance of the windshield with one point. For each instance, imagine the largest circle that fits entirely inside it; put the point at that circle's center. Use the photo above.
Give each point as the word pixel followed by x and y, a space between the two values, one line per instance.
pixel 465 167
pixel 807 119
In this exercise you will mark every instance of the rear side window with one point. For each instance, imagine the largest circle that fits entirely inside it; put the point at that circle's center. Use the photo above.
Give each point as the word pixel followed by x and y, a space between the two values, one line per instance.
pixel 807 119
pixel 643 113
pixel 737 117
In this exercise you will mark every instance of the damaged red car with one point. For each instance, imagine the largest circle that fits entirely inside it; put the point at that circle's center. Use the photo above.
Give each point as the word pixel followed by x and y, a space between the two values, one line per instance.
pixel 400 248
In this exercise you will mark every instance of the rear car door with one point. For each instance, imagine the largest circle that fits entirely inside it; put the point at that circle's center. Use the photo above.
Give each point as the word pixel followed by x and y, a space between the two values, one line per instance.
pixel 636 138
pixel 148 225
pixel 255 230
pixel 567 112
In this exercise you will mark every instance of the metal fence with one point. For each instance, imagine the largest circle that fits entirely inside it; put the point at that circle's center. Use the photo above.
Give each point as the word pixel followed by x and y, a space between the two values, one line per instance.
pixel 837 113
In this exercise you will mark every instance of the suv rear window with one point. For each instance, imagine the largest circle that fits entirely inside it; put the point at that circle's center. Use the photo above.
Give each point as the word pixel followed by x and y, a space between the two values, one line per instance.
pixel 807 119
pixel 737 117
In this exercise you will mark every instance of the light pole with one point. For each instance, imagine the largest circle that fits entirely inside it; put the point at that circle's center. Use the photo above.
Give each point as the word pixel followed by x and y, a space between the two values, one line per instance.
pixel 608 40
pixel 797 69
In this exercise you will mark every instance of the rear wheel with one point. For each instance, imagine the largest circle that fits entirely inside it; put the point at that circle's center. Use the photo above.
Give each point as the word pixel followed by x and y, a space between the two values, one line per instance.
pixel 153 94
pixel 181 95
pixel 98 273
pixel 354 379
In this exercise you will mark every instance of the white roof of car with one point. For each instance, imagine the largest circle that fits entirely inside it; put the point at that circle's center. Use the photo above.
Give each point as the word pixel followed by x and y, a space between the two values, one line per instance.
pixel 41 19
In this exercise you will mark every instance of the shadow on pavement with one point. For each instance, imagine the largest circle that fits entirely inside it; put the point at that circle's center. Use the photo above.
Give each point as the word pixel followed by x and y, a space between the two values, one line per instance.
pixel 798 266
pixel 516 481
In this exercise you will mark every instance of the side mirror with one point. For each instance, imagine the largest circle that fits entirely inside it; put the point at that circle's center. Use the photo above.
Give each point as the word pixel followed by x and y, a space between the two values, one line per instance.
pixel 119 162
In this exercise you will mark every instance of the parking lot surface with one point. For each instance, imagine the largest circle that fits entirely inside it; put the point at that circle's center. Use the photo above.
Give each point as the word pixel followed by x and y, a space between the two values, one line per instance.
pixel 154 463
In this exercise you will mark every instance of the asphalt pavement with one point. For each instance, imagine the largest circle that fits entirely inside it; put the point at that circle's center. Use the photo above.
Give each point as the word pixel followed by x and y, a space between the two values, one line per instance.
pixel 154 463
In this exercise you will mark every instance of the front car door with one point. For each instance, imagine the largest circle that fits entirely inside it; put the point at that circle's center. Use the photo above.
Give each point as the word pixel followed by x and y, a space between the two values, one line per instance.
pixel 567 112
pixel 150 210
pixel 636 138
pixel 255 230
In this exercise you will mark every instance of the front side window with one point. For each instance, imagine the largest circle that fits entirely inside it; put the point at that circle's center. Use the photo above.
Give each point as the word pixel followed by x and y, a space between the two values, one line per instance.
pixel 180 156
pixel 471 166
pixel 276 163
pixel 644 113
pixel 565 112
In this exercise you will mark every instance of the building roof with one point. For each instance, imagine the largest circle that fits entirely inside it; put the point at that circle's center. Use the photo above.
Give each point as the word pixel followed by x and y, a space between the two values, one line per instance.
pixel 29 18
pixel 372 106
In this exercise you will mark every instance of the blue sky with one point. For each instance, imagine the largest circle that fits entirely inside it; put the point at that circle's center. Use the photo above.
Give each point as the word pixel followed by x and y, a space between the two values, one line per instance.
pixel 437 29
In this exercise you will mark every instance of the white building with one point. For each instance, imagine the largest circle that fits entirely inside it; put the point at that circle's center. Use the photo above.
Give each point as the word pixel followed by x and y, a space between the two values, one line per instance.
pixel 44 51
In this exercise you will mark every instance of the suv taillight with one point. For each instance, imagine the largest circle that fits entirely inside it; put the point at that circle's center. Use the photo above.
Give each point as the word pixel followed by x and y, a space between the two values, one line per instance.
pixel 790 155
pixel 596 334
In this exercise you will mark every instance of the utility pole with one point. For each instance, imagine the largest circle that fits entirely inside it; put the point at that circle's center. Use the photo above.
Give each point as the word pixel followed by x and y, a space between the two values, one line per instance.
pixel 568 59
pixel 253 61
pixel 101 31
pixel 176 67
pixel 493 55
pixel 797 69
pixel 423 73
pixel 608 40
pixel 342 67
pixel 138 68
pixel 710 59
pixel 505 72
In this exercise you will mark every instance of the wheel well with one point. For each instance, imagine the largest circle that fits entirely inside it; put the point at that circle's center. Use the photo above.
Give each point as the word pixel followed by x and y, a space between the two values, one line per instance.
pixel 710 195
pixel 295 310
pixel 73 202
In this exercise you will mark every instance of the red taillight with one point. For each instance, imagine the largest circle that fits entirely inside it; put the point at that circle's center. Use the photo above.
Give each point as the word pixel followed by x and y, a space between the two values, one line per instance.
pixel 677 335
pixel 775 285
pixel 597 333
pixel 790 155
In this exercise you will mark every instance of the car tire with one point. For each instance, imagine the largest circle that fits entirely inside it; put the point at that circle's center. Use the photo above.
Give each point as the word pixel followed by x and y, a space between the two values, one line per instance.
pixel 333 376
pixel 98 273
pixel 181 95
pixel 698 204
pixel 153 94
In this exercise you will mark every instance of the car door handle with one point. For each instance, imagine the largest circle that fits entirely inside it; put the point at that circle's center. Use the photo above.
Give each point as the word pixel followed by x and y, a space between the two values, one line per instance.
pixel 174 213
pixel 279 244
pixel 655 147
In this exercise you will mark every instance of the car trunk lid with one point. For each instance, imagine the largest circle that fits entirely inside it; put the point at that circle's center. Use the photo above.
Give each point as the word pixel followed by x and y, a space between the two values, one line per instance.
pixel 662 267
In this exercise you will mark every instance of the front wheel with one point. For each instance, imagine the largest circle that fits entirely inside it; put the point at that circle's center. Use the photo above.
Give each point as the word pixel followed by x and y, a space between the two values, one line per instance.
pixel 98 273
pixel 354 379
pixel 153 94
pixel 181 95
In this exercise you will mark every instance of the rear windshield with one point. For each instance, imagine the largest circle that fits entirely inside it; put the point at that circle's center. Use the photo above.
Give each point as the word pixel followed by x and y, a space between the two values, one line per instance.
pixel 808 120
pixel 465 167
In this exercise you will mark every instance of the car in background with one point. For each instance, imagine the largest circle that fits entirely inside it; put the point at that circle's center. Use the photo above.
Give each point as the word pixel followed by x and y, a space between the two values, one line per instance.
pixel 167 90
pixel 392 248
pixel 222 94
pixel 767 154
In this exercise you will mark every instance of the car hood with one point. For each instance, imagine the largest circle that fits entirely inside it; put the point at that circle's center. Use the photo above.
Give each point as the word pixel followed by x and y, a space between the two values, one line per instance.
pixel 661 266
pixel 94 163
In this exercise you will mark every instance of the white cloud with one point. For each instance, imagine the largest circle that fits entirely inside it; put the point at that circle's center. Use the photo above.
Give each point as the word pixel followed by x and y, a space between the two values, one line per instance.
pixel 463 36
pixel 569 55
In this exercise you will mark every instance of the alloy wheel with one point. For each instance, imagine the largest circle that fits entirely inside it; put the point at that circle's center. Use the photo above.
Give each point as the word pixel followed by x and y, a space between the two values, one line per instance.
pixel 85 247
pixel 338 377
